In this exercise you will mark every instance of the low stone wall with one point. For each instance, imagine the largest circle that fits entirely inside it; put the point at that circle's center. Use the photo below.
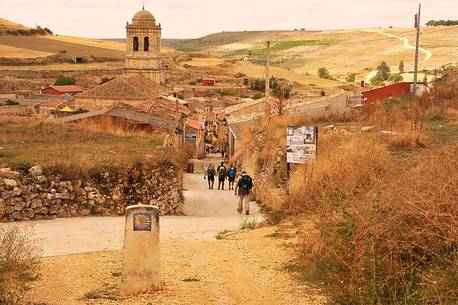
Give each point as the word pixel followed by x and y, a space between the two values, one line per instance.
pixel 35 195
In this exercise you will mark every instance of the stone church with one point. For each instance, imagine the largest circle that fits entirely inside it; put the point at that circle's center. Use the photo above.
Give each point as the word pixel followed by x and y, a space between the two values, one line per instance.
pixel 143 40
pixel 143 77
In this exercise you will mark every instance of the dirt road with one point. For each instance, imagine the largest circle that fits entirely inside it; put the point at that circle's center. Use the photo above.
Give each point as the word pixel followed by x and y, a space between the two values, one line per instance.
pixel 248 267
pixel 208 212
pixel 406 45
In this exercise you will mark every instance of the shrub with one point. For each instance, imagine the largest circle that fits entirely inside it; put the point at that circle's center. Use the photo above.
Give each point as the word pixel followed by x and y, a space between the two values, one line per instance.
pixel 19 264
pixel 351 77
pixel 324 73
pixel 11 102
pixel 390 244
pixel 63 80
pixel 347 166
pixel 401 66
pixel 395 78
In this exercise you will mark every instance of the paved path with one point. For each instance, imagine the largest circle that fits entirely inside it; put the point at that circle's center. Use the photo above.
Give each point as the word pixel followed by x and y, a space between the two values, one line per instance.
pixel 208 212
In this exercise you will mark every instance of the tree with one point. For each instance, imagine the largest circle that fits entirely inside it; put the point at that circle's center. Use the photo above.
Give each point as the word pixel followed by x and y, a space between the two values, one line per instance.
pixel 395 78
pixel 63 80
pixel 351 77
pixel 383 71
pixel 324 73
pixel 401 66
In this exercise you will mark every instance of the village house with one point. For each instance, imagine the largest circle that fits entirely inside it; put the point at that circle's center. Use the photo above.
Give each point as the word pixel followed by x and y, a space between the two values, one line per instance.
pixel 396 90
pixel 133 90
pixel 54 105
pixel 194 133
pixel 130 118
pixel 61 90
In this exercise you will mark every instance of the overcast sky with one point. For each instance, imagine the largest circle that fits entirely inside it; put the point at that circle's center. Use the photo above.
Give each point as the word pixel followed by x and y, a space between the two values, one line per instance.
pixel 195 18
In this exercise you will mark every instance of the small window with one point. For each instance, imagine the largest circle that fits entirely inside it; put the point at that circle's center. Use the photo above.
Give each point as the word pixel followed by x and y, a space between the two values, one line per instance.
pixel 146 44
pixel 135 44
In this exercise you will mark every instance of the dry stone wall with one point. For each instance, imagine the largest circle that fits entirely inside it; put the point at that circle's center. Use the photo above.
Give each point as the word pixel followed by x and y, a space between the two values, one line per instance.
pixel 34 195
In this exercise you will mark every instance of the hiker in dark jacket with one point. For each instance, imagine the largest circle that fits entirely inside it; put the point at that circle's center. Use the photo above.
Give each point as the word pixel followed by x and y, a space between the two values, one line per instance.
pixel 222 172
pixel 243 189
pixel 210 175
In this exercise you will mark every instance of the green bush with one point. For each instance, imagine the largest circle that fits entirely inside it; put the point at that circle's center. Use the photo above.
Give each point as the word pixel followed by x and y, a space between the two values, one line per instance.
pixel 395 78
pixel 324 73
pixel 63 80
pixel 351 77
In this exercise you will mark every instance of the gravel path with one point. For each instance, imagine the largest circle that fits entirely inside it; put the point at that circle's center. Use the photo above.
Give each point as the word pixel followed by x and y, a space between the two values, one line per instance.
pixel 208 212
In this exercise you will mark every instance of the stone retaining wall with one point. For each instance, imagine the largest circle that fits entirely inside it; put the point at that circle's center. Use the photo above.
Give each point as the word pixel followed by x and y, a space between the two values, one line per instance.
pixel 35 195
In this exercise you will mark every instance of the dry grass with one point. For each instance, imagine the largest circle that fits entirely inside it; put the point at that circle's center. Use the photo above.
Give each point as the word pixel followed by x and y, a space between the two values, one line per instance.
pixel 13 52
pixel 19 265
pixel 348 165
pixel 387 246
pixel 49 44
pixel 26 143
pixel 386 227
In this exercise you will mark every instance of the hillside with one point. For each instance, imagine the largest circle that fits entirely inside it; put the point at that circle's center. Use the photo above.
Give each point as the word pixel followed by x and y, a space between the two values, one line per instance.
pixel 341 51
pixel 9 25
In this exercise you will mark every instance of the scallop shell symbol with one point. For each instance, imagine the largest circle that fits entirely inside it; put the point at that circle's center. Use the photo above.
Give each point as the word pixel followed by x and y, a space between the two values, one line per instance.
pixel 142 221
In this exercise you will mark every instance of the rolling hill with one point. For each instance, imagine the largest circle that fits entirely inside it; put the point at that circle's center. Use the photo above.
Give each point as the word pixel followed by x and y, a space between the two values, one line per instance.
pixel 9 25
pixel 33 46
pixel 340 51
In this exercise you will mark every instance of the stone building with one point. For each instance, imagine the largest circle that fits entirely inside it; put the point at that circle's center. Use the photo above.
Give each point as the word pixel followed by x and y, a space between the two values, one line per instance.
pixel 134 90
pixel 143 40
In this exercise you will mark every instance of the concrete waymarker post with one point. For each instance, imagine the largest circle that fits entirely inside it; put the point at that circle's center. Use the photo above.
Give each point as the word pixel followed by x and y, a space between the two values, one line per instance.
pixel 142 253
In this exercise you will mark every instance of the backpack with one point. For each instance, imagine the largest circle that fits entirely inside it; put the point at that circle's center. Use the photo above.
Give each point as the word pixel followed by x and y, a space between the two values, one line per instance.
pixel 221 171
pixel 232 172
pixel 245 184
pixel 211 172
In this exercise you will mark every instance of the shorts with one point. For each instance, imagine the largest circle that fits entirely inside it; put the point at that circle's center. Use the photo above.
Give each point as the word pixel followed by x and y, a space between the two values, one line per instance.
pixel 231 179
pixel 211 178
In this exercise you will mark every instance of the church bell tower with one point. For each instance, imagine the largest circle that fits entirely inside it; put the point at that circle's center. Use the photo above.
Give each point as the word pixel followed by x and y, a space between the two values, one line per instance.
pixel 143 40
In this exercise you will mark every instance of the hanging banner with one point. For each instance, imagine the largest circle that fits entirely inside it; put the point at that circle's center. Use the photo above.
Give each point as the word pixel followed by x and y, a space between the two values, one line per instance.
pixel 301 143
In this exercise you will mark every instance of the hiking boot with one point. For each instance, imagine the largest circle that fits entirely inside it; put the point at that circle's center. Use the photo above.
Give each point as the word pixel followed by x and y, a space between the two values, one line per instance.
pixel 239 210
pixel 247 212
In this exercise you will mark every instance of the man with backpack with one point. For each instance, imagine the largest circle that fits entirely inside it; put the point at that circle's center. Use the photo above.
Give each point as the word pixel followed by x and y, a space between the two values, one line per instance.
pixel 222 172
pixel 243 189
pixel 231 176
pixel 210 175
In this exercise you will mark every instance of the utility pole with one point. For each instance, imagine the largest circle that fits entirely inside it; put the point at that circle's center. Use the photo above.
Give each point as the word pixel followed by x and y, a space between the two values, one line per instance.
pixel 415 75
pixel 290 86
pixel 267 91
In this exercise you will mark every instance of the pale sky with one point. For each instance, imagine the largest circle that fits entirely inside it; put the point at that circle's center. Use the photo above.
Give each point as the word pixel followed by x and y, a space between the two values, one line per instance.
pixel 195 18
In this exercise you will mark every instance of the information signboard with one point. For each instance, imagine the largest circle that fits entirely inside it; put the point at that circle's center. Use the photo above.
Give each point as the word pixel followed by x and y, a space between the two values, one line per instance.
pixel 301 143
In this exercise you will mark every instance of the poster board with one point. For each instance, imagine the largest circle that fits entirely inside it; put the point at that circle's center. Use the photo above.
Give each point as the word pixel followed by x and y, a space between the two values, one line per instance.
pixel 301 144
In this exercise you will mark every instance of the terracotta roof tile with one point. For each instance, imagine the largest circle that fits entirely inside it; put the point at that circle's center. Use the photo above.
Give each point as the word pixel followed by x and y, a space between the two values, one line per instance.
pixel 126 88
pixel 68 89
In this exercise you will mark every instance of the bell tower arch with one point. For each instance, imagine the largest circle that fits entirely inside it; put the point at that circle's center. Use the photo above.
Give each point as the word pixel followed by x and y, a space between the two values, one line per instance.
pixel 143 40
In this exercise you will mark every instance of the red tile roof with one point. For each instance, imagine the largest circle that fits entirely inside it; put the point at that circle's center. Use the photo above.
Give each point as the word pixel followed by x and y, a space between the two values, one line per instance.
pixel 53 103
pixel 193 124
pixel 68 89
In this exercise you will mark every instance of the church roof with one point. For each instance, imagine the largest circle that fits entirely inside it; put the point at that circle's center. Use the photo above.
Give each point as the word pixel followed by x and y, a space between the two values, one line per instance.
pixel 128 88
pixel 143 16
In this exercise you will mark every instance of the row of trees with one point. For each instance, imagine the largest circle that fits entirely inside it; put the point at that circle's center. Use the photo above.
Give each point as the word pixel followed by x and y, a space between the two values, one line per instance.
pixel 442 22
pixel 277 89
pixel 28 32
